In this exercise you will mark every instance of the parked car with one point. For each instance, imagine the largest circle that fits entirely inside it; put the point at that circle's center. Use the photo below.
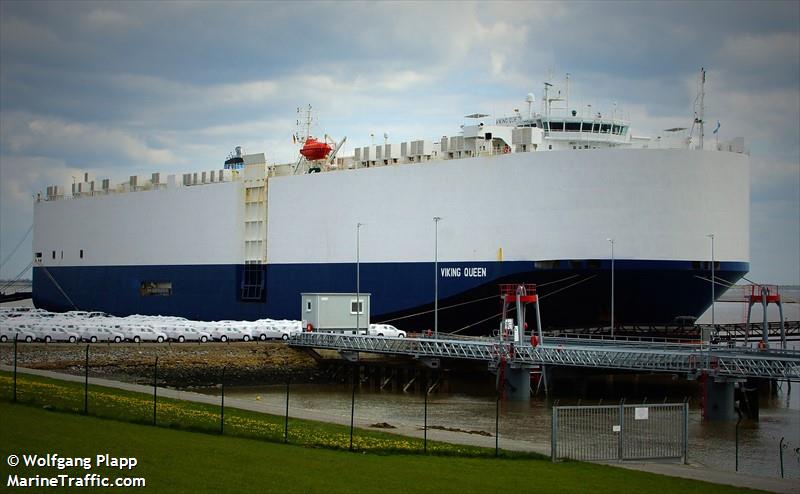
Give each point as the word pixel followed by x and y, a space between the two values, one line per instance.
pixel 48 334
pixel 21 333
pixel 136 334
pixel 288 328
pixel 264 330
pixel 188 333
pixel 95 334
pixel 225 333
pixel 385 330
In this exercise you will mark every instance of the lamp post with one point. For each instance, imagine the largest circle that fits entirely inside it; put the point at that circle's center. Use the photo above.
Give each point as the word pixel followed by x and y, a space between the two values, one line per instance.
pixel 436 220
pixel 611 241
pixel 358 276
pixel 713 281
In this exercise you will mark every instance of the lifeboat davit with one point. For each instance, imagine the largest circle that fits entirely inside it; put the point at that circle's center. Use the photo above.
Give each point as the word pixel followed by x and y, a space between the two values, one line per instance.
pixel 315 150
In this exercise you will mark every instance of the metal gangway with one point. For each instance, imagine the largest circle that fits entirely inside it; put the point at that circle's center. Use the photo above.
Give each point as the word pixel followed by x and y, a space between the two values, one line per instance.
pixel 690 359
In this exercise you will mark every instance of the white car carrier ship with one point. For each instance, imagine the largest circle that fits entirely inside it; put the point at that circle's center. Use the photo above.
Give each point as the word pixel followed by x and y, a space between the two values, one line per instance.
pixel 536 197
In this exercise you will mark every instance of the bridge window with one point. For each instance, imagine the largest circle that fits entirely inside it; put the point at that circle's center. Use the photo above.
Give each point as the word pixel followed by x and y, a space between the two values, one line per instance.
pixel 155 288
pixel 572 126
pixel 557 126
pixel 605 128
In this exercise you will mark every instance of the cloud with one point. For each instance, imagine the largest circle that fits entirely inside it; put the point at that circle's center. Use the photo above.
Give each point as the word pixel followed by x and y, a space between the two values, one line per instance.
pixel 129 87
pixel 81 143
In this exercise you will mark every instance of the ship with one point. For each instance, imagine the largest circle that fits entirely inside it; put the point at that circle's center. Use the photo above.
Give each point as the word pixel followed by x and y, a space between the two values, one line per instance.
pixel 612 227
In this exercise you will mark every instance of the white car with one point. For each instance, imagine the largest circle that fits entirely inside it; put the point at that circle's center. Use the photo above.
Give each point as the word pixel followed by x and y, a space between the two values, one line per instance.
pixel 188 333
pixel 225 333
pixel 143 333
pixel 264 330
pixel 22 333
pixel 385 330
pixel 57 334
pixel 288 328
pixel 94 334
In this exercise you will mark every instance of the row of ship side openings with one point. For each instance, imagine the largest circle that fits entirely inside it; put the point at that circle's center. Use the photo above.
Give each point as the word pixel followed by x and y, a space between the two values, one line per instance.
pixel 38 255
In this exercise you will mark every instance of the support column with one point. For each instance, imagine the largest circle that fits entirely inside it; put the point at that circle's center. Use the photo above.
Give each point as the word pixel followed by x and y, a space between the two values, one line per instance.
pixel 783 329
pixel 518 384
pixel 718 402
pixel 747 395
pixel 765 323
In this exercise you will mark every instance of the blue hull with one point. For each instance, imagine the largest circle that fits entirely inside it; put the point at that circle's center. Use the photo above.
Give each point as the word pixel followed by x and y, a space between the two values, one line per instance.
pixel 573 293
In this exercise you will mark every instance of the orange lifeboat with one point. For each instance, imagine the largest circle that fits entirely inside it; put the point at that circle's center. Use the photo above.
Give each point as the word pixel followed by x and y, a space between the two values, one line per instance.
pixel 315 150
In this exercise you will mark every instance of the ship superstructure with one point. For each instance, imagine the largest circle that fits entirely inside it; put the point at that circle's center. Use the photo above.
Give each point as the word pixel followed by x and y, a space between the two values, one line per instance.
pixel 532 197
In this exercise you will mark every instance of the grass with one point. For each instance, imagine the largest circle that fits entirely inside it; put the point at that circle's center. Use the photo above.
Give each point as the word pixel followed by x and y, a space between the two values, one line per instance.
pixel 180 461
pixel 137 408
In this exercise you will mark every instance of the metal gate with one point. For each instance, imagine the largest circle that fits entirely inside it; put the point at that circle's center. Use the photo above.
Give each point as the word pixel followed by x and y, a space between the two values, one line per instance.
pixel 620 432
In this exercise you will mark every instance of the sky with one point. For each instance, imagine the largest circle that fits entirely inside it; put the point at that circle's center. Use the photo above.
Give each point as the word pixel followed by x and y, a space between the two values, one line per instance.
pixel 123 88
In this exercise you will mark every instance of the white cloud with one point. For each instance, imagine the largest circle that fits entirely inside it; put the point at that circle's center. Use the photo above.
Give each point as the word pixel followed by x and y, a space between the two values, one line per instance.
pixel 33 134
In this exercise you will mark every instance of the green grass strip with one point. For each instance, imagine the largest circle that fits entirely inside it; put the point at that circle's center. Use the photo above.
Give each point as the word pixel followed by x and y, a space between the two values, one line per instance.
pixel 185 462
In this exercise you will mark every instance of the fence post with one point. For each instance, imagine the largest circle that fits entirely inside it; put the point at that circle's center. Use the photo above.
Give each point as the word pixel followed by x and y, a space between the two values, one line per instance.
pixel 222 403
pixel 781 446
pixel 685 432
pixel 16 335
pixel 286 418
pixel 155 389
pixel 497 425
pixel 353 407
pixel 621 429
pixel 86 384
pixel 554 434
pixel 425 423
pixel 737 441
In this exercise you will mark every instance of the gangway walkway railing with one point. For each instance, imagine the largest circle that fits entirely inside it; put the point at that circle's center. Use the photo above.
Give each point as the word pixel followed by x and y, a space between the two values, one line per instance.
pixel 690 359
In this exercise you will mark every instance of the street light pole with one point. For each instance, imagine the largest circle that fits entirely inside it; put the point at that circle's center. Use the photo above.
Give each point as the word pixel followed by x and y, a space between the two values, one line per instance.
pixel 611 240
pixel 713 281
pixel 436 220
pixel 358 276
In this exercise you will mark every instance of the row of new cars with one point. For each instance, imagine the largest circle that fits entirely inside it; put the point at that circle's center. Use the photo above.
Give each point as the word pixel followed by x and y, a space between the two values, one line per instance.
pixel 26 324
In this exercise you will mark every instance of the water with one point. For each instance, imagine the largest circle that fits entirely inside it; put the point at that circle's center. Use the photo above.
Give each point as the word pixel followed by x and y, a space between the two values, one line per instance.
pixel 710 443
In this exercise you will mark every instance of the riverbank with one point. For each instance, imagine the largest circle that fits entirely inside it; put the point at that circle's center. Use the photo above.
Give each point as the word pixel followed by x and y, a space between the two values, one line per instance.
pixel 182 365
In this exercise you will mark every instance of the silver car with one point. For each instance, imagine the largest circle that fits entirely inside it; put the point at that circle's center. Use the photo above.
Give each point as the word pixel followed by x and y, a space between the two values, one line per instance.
pixel 143 333
pixel 57 334
pixel 95 334
pixel 188 333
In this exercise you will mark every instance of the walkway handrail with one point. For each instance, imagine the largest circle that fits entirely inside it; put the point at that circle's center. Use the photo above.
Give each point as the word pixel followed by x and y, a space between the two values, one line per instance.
pixel 691 359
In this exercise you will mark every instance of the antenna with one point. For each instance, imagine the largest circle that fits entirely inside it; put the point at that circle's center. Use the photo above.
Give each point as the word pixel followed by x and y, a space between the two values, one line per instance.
pixel 530 99
pixel 546 101
pixel 702 106
pixel 699 114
